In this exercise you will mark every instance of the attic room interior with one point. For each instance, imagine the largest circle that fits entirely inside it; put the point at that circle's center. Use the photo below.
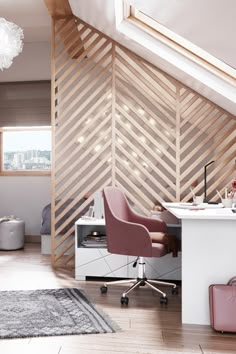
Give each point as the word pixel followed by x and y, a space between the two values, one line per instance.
pixel 118 176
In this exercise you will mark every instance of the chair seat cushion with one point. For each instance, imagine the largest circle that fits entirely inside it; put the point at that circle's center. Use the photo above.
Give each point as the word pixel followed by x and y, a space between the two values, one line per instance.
pixel 158 250
pixel 159 237
pixel 170 241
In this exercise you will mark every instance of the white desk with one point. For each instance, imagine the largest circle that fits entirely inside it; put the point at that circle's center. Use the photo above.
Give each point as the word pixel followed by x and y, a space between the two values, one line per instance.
pixel 208 256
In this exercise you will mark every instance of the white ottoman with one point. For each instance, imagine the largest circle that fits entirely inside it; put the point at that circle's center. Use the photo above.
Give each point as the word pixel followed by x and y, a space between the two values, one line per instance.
pixel 12 234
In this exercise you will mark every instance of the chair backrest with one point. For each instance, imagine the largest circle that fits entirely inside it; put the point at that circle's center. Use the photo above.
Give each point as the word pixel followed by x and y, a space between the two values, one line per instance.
pixel 123 236
pixel 117 203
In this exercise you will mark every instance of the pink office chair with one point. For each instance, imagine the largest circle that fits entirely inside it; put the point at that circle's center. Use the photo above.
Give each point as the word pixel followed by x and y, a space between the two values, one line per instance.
pixel 131 234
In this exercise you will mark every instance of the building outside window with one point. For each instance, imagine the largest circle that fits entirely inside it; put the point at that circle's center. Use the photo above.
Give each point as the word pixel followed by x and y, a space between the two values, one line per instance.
pixel 26 149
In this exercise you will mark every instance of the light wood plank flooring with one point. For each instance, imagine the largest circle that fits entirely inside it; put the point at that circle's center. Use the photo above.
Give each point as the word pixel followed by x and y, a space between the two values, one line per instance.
pixel 146 326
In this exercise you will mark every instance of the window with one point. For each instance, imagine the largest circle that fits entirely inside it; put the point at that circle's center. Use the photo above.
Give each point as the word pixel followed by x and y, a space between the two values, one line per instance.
pixel 25 128
pixel 26 149
pixel 145 22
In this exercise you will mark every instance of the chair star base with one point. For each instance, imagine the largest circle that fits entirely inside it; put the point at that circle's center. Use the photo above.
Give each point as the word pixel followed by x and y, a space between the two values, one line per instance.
pixel 141 280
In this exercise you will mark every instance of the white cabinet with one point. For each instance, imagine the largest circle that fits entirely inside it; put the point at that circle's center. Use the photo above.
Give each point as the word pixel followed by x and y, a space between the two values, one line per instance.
pixel 97 262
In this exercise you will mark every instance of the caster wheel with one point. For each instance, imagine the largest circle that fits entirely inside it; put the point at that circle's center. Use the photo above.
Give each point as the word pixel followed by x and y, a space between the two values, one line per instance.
pixel 124 300
pixel 163 300
pixel 175 291
pixel 103 289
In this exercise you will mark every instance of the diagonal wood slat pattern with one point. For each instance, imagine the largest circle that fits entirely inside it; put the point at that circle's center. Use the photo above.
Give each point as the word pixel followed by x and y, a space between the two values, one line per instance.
pixel 145 116
pixel 82 131
pixel 206 133
pixel 118 120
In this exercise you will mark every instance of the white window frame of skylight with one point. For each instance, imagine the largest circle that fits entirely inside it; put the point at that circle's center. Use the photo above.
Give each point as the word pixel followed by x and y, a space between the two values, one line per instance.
pixel 178 43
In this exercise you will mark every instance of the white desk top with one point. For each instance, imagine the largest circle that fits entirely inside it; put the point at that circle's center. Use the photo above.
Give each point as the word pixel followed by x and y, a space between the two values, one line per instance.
pixel 202 211
pixel 90 221
pixel 94 221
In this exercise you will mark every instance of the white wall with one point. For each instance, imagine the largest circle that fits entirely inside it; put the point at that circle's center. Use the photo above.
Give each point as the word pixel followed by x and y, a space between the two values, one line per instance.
pixel 25 197
pixel 32 64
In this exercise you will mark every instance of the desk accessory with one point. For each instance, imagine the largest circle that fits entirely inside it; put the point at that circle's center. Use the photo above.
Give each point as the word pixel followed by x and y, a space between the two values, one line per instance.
pixel 205 180
pixel 219 194
pixel 227 202
pixel 198 199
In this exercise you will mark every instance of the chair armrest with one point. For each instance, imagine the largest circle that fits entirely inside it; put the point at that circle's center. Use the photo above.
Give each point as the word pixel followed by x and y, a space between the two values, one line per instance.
pixel 153 225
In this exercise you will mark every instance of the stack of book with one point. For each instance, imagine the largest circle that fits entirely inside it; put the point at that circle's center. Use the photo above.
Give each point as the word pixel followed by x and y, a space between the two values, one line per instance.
pixel 94 241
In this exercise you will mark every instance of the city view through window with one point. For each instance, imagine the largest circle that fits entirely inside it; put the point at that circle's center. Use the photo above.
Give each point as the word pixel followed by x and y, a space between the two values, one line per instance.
pixel 27 150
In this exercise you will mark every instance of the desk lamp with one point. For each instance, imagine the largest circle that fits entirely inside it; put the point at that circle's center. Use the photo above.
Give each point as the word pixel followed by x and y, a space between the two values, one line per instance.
pixel 205 180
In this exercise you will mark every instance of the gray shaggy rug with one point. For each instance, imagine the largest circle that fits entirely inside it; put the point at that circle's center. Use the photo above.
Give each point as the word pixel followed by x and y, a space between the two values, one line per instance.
pixel 49 312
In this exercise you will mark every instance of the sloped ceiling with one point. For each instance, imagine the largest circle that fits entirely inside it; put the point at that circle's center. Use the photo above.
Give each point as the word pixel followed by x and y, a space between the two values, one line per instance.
pixel 210 24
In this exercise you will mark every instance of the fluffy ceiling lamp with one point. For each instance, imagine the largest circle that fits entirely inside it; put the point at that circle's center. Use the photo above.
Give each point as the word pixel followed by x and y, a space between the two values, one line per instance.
pixel 11 44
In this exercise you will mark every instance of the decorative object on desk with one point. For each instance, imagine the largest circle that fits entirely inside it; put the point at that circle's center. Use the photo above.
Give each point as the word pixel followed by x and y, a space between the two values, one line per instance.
pixel 227 202
pixel 232 193
pixel 234 185
pixel 11 44
pixel 193 194
pixel 49 312
pixel 222 306
pixel 205 180
pixel 156 211
pixel 157 207
pixel 229 199
pixel 219 195
pixel 198 199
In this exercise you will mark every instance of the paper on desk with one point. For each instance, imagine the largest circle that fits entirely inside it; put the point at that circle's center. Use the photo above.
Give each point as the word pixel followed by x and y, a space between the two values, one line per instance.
pixel 191 206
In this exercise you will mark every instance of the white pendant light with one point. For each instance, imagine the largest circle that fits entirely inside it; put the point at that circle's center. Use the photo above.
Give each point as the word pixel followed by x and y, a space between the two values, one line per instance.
pixel 11 44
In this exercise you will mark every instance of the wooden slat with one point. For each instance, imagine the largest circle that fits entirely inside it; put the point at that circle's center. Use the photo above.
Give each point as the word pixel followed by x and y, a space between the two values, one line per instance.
pixel 58 8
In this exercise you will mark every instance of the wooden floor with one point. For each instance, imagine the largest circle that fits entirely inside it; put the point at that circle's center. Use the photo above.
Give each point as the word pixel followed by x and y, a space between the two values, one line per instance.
pixel 146 326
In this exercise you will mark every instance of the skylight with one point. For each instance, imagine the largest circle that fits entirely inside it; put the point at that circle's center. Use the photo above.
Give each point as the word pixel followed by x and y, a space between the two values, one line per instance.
pixel 146 19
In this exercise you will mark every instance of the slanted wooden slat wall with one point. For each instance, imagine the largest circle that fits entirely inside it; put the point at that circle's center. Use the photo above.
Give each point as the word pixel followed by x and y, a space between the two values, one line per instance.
pixel 118 120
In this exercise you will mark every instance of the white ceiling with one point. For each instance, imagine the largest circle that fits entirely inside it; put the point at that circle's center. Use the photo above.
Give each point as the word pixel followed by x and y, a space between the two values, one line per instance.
pixel 31 15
